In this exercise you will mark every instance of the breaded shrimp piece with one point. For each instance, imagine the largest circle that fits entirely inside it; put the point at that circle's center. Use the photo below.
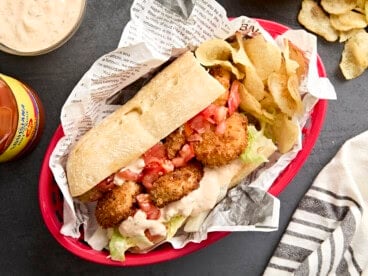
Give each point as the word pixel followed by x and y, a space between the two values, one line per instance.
pixel 224 77
pixel 217 150
pixel 117 204
pixel 174 185
pixel 174 142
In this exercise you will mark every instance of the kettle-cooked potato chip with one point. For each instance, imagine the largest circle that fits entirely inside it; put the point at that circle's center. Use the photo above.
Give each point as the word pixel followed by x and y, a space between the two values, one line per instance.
pixel 254 84
pixel 288 65
pixel 298 56
pixel 249 104
pixel 360 5
pixel 348 21
pixel 214 49
pixel 217 52
pixel 314 19
pixel 355 56
pixel 265 56
pixel 279 86
pixel 284 132
pixel 346 35
pixel 293 88
pixel 338 6
pixel 252 80
pixel 269 80
pixel 268 103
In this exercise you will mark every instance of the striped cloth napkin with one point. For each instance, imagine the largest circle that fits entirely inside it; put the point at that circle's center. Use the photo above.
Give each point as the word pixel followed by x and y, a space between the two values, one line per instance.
pixel 328 233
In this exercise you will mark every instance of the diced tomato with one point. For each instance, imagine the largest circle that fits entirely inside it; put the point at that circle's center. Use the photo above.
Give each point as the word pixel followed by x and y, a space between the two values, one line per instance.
pixel 185 154
pixel 167 165
pixel 209 113
pixel 178 162
pixel 155 154
pixel 153 167
pixel 151 173
pixel 129 175
pixel 220 114
pixel 234 97
pixel 157 165
pixel 106 185
pixel 146 205
pixel 194 138
pixel 199 124
pixel 220 128
pixel 153 238
pixel 148 179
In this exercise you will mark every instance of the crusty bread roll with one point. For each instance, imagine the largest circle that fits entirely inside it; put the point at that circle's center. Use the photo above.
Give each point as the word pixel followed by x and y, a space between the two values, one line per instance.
pixel 170 99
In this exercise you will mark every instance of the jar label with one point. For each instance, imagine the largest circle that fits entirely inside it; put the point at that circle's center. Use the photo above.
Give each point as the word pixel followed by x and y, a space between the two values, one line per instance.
pixel 27 119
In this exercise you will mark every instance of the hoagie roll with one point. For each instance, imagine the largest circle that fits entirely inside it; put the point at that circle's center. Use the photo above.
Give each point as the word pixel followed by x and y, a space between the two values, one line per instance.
pixel 166 157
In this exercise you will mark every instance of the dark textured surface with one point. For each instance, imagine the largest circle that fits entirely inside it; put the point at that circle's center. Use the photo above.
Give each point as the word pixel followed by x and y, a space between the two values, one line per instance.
pixel 26 245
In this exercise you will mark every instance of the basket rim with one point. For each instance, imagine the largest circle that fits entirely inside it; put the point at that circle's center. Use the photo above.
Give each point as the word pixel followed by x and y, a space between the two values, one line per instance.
pixel 166 252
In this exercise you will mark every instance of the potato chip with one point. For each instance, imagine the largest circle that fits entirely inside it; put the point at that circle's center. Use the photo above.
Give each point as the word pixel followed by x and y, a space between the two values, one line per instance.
pixel 293 88
pixel 314 19
pixel 297 55
pixel 217 52
pixel 268 104
pixel 338 6
pixel 252 81
pixel 284 132
pixel 344 36
pixel 288 66
pixel 249 104
pixel 360 5
pixel 285 99
pixel 355 56
pixel 348 21
pixel 366 10
pixel 214 49
pixel 266 57
pixel 239 55
pixel 254 84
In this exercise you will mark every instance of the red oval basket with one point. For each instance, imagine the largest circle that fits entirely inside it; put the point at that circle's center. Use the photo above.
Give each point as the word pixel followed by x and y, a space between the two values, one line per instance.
pixel 51 199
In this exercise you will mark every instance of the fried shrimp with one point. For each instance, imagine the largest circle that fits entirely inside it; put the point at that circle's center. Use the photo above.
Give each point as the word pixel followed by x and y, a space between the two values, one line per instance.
pixel 217 150
pixel 223 76
pixel 117 204
pixel 174 142
pixel 174 185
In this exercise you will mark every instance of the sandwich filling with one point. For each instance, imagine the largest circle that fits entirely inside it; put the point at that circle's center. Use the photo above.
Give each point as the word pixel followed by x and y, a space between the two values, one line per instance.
pixel 182 176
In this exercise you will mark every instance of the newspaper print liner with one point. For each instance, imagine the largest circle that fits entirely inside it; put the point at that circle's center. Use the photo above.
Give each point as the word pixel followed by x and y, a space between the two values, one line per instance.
pixel 153 36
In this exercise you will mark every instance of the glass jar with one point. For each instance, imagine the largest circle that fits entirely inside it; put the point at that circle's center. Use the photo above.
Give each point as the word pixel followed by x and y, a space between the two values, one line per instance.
pixel 21 118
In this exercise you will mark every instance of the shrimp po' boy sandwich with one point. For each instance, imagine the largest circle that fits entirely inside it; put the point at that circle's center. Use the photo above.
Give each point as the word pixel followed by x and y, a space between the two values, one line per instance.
pixel 165 158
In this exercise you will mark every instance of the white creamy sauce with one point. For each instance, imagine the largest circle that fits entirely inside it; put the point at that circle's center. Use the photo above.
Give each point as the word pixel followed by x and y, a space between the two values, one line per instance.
pixel 33 25
pixel 212 188
pixel 136 225
pixel 135 167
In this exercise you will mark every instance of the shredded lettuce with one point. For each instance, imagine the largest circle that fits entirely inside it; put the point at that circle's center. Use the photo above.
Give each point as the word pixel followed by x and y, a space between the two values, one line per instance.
pixel 173 225
pixel 250 154
pixel 118 245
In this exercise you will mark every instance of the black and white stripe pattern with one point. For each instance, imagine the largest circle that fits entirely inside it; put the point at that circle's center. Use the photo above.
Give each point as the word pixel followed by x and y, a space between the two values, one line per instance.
pixel 328 233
